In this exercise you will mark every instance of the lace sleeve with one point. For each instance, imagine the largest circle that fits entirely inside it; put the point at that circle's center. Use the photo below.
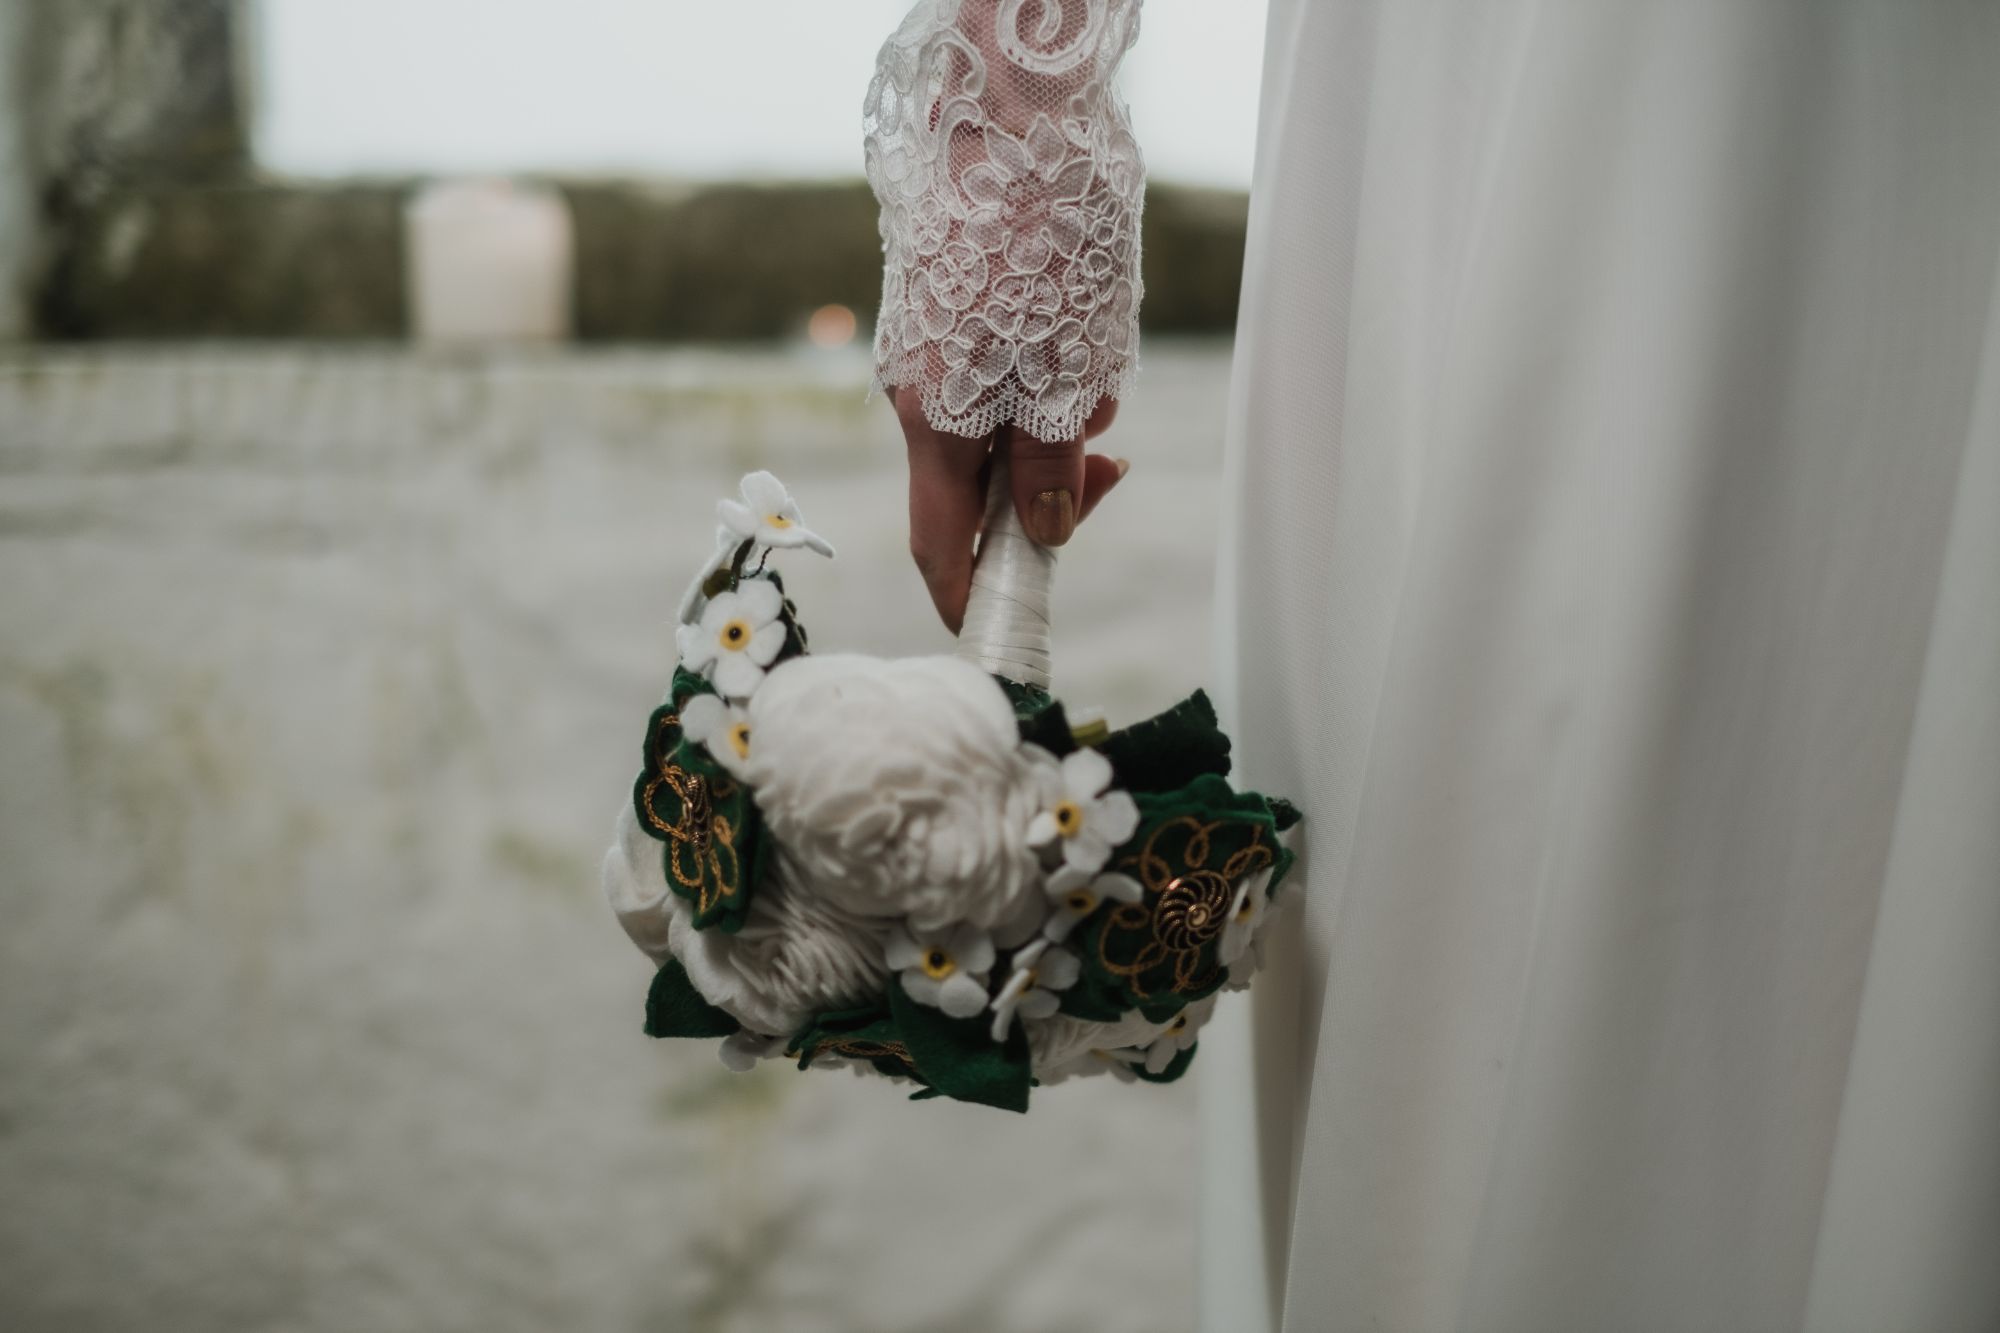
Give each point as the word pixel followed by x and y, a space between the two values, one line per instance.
pixel 1011 188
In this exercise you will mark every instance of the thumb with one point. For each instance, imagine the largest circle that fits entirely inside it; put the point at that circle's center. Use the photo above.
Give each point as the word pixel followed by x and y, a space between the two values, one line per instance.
pixel 1048 485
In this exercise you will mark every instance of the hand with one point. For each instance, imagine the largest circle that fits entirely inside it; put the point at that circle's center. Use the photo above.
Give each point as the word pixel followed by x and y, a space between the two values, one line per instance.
pixel 1056 485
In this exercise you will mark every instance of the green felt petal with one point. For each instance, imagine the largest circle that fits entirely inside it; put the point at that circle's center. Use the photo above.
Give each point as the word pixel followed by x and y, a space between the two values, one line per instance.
pixel 674 1008
pixel 1169 750
pixel 959 1057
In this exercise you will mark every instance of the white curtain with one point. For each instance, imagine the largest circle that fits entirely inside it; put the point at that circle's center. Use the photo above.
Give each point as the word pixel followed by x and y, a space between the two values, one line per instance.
pixel 1613 563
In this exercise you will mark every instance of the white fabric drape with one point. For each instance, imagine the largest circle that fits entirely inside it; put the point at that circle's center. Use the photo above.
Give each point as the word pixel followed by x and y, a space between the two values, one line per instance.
pixel 1611 561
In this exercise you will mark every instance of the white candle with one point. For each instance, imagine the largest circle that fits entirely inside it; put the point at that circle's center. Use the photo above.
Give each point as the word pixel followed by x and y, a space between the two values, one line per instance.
pixel 488 261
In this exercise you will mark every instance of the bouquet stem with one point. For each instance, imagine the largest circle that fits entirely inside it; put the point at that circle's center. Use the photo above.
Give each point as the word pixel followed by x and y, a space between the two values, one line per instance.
pixel 1006 628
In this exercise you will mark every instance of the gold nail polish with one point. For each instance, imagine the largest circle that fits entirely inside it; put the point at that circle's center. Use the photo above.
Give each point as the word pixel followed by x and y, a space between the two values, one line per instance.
pixel 1052 517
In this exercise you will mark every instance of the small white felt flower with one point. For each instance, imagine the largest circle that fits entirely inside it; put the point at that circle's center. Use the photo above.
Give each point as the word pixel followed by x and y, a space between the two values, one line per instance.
pixel 1075 894
pixel 722 727
pixel 769 516
pixel 1040 970
pixel 739 635
pixel 1177 1036
pixel 742 1050
pixel 1246 915
pixel 944 969
pixel 1083 818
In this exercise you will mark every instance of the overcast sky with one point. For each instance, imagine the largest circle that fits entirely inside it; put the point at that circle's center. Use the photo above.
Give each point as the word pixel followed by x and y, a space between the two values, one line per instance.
pixel 700 88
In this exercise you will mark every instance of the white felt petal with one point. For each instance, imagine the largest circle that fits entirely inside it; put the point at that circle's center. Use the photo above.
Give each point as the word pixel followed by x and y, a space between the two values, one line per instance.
pixel 1122 888
pixel 962 995
pixel 767 643
pixel 1088 850
pixel 1039 1003
pixel 922 987
pixel 1116 816
pixel 737 676
pixel 1159 1055
pixel 1058 926
pixel 764 493
pixel 902 951
pixel 1042 830
pixel 1066 878
pixel 698 647
pixel 736 518
pixel 1059 969
pixel 703 716
pixel 761 599
pixel 972 948
pixel 1085 773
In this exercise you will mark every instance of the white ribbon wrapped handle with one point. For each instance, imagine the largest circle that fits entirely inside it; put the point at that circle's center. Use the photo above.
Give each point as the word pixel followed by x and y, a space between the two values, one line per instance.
pixel 1006 628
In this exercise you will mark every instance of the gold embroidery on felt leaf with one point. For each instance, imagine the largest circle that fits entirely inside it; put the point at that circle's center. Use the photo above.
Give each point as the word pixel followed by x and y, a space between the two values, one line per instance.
pixel 1182 913
pixel 701 844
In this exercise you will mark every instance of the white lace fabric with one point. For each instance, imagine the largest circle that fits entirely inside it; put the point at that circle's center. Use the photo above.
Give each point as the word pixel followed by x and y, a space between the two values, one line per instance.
pixel 1011 189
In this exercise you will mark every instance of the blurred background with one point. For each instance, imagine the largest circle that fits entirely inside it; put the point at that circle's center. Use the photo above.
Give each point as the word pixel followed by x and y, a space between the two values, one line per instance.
pixel 369 370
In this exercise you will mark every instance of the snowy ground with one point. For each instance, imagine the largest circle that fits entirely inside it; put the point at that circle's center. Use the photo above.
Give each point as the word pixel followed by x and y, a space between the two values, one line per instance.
pixel 322 674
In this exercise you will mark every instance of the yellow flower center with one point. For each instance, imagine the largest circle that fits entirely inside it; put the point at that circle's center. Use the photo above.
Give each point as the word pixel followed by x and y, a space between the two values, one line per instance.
pixel 1069 819
pixel 777 520
pixel 1080 901
pixel 736 635
pixel 938 965
pixel 1033 977
pixel 1178 1026
pixel 1249 906
pixel 739 739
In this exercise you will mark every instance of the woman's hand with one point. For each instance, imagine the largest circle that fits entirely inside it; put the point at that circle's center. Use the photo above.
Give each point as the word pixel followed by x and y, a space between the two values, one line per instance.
pixel 1056 485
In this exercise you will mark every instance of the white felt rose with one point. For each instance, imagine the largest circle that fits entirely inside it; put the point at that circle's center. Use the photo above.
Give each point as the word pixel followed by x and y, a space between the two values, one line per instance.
pixel 1081 818
pixel 899 789
pixel 1074 894
pixel 769 516
pixel 943 969
pixel 1041 970
pixel 740 634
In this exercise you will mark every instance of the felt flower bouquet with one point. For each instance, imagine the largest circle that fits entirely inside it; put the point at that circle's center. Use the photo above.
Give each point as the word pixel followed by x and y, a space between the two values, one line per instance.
pixel 924 868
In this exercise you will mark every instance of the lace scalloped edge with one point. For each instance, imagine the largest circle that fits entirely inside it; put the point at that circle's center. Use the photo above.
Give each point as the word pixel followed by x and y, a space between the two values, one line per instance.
pixel 1011 406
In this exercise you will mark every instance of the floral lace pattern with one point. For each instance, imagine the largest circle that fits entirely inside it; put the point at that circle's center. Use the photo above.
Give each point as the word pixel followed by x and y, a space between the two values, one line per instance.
pixel 1011 189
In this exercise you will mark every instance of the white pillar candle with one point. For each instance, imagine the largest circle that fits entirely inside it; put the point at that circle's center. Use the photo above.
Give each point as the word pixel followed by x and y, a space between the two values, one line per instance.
pixel 488 261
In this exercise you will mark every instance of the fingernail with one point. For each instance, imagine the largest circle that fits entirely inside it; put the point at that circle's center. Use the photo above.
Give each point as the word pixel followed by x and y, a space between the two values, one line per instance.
pixel 1124 466
pixel 1052 517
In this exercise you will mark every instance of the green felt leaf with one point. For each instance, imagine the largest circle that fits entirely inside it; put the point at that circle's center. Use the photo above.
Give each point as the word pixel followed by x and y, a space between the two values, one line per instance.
pixel 1171 749
pixel 1194 847
pixel 687 684
pixel 1024 699
pixel 1049 729
pixel 1175 1068
pixel 1095 997
pixel 959 1057
pixel 1284 813
pixel 1039 716
pixel 869 1034
pixel 707 822
pixel 674 1008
